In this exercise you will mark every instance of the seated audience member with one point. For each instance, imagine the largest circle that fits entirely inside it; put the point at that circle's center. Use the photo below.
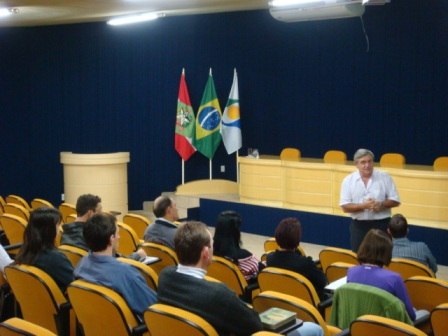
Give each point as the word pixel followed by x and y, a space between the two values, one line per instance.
pixel 39 250
pixel 5 259
pixel 87 205
pixel 102 236
pixel 288 235
pixel 227 243
pixel 404 248
pixel 184 286
pixel 163 229
pixel 375 252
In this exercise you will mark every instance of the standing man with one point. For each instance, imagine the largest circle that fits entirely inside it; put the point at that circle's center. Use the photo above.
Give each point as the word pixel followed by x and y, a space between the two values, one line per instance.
pixel 102 236
pixel 367 195
pixel 162 231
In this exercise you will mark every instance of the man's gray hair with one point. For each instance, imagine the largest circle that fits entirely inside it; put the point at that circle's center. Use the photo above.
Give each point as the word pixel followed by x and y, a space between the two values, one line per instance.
pixel 363 152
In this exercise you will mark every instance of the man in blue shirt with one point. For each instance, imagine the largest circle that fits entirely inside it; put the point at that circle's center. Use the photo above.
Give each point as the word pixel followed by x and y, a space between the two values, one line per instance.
pixel 404 248
pixel 100 267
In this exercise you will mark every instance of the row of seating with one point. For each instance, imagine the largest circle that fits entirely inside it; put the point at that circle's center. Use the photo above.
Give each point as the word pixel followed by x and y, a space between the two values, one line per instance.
pixel 393 160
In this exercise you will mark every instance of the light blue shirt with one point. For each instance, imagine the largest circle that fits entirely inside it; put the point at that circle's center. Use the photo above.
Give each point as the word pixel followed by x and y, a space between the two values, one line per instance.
pixel 123 278
pixel 417 251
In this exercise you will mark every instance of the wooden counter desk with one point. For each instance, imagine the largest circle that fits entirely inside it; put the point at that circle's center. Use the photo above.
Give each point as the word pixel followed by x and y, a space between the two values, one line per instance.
pixel 312 185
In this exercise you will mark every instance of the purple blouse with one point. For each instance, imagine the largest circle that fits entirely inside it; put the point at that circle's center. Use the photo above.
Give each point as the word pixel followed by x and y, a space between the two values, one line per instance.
pixel 384 279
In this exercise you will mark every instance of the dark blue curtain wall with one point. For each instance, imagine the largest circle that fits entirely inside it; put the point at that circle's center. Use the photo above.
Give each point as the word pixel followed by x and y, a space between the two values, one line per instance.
pixel 93 88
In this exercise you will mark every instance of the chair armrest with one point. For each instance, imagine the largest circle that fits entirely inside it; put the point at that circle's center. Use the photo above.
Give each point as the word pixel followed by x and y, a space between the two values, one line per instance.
pixel 12 246
pixel 247 295
pixel 63 319
pixel 321 306
pixel 139 330
pixel 423 319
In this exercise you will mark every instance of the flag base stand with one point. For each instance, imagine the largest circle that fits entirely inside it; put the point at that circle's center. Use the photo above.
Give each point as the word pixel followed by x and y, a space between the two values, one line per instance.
pixel 208 187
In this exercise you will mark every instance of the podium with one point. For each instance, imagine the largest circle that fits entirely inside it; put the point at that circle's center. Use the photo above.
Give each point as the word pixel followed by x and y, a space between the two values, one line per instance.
pixel 104 175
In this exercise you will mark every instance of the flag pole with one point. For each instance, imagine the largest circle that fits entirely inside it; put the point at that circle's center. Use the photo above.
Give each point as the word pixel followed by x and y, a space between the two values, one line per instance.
pixel 210 169
pixel 237 168
pixel 183 171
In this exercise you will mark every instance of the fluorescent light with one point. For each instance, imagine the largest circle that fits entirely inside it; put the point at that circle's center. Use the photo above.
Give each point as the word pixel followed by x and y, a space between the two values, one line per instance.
pixel 286 3
pixel 5 12
pixel 134 19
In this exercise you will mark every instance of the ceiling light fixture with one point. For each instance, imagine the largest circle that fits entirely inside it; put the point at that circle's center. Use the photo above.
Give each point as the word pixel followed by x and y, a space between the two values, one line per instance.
pixel 134 18
pixel 8 11
pixel 287 3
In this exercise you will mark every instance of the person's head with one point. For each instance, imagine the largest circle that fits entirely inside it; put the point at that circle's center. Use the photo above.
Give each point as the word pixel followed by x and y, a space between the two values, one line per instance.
pixel 193 244
pixel 288 233
pixel 227 237
pixel 87 205
pixel 364 161
pixel 40 233
pixel 376 248
pixel 165 207
pixel 101 232
pixel 398 226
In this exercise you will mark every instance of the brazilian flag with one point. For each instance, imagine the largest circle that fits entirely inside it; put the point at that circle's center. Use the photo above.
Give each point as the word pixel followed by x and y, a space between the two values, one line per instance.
pixel 208 121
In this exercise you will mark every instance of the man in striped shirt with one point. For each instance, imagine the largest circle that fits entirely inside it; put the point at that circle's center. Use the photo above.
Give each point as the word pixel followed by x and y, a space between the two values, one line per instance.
pixel 404 248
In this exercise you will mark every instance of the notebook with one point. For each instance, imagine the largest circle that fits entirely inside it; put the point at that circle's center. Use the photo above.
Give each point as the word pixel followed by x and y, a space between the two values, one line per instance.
pixel 276 318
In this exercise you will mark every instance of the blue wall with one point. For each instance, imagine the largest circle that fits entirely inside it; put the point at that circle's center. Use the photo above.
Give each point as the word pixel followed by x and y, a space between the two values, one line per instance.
pixel 92 88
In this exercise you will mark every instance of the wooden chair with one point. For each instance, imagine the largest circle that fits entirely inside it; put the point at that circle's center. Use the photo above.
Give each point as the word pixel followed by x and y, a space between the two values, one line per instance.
pixel 129 241
pixel 166 255
pixel 13 227
pixel 392 160
pixel 335 156
pixel 441 163
pixel 151 277
pixel 290 283
pixel 270 245
pixel 41 300
pixel 18 200
pixel 427 293
pixel 377 325
pixel 439 320
pixel 40 203
pixel 163 320
pixel 18 210
pixel 330 255
pixel 290 154
pixel 67 209
pixel 102 311
pixel 70 218
pixel 73 253
pixel 2 205
pixel 138 222
pixel 337 270
pixel 226 271
pixel 409 268
pixel 304 310
pixel 18 327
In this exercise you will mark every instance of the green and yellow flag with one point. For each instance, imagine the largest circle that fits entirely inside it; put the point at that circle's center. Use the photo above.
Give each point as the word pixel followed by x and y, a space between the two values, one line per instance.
pixel 208 121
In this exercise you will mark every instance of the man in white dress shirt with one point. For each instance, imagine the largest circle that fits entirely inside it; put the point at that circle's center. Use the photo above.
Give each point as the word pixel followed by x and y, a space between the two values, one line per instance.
pixel 367 195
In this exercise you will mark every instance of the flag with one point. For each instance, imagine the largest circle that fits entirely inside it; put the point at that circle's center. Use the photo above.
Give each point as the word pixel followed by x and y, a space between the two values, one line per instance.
pixel 231 124
pixel 208 121
pixel 185 122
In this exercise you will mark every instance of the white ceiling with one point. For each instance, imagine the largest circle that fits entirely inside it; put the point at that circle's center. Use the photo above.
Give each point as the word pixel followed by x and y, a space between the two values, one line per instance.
pixel 54 12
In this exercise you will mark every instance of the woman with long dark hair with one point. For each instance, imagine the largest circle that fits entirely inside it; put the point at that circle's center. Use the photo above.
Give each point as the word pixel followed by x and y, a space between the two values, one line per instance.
pixel 227 243
pixel 39 248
